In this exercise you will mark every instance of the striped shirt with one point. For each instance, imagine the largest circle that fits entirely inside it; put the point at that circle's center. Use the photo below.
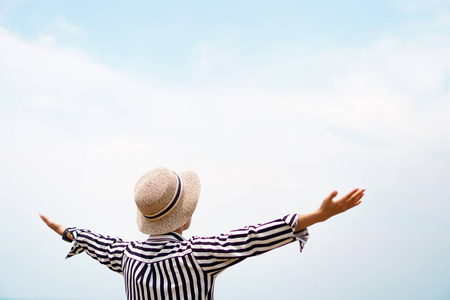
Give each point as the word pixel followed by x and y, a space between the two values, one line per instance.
pixel 170 267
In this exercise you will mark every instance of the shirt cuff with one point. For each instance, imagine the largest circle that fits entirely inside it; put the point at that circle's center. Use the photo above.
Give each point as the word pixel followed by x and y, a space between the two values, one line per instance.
pixel 76 248
pixel 301 236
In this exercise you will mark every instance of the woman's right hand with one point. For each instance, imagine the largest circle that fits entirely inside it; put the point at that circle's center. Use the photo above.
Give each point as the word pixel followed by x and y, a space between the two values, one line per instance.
pixel 56 227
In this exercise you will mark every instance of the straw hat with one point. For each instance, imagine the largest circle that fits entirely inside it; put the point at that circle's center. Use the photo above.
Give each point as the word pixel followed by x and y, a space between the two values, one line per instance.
pixel 165 201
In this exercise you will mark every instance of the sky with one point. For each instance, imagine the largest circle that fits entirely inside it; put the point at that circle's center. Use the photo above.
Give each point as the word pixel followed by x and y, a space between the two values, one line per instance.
pixel 273 103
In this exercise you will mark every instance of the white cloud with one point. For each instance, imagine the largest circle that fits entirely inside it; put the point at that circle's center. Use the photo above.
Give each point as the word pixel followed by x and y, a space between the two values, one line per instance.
pixel 390 94
pixel 390 91
pixel 377 91
pixel 42 102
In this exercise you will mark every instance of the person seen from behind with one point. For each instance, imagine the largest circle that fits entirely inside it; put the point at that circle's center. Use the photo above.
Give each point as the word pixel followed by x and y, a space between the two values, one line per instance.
pixel 168 266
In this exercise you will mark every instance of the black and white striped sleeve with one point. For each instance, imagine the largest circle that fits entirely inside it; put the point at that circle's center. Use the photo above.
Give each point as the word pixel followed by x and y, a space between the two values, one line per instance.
pixel 105 249
pixel 214 254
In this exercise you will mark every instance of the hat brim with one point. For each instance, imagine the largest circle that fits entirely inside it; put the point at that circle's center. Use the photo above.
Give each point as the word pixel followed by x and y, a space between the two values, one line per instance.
pixel 180 214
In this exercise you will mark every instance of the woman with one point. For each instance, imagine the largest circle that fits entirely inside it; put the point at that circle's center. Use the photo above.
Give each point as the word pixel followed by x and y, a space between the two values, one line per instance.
pixel 166 265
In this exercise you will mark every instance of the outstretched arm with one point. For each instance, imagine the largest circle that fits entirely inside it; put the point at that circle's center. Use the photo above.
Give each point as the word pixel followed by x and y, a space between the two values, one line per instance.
pixel 330 208
pixel 105 249
pixel 56 227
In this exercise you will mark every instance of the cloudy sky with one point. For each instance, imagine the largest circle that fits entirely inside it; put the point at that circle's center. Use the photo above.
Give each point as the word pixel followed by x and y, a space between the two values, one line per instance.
pixel 273 103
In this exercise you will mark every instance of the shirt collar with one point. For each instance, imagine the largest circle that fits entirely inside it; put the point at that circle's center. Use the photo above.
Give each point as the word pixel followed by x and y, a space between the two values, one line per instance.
pixel 166 237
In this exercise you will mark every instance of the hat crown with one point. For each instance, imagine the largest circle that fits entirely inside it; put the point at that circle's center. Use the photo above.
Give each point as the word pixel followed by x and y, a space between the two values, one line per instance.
pixel 155 191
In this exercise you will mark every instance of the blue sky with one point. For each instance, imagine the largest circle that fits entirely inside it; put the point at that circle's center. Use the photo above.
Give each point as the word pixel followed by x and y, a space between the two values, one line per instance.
pixel 274 104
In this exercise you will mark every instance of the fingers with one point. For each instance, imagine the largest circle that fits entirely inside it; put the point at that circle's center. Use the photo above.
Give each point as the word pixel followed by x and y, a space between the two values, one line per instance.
pixel 45 219
pixel 357 195
pixel 355 198
pixel 350 194
pixel 331 196
pixel 58 228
